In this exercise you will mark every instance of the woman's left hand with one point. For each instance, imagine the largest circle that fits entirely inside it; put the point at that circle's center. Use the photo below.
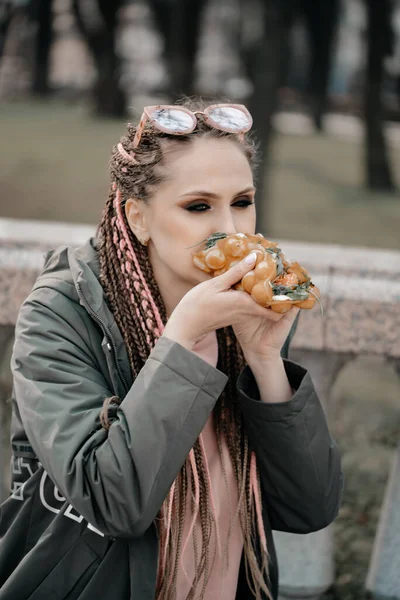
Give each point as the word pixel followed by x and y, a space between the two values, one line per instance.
pixel 263 338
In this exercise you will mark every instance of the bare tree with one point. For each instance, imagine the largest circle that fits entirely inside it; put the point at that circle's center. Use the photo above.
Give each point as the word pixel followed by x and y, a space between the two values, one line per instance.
pixel 41 12
pixel 377 165
pixel 179 23
pixel 263 60
pixel 98 27
pixel 5 20
pixel 321 20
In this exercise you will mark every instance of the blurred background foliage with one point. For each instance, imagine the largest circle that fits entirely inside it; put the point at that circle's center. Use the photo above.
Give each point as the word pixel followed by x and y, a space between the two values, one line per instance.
pixel 322 80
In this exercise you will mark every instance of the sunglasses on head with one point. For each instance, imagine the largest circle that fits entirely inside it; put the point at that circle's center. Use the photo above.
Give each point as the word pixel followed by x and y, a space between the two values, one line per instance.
pixel 178 120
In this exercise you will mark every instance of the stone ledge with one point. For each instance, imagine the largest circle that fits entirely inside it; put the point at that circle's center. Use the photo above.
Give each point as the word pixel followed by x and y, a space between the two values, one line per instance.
pixel 355 319
pixel 345 260
pixel 22 231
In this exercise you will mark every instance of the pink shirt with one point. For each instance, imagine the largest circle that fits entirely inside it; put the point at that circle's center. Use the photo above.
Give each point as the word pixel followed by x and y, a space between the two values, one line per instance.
pixel 223 582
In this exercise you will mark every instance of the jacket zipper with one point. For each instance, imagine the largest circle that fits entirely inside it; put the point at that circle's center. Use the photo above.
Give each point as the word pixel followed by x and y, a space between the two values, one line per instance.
pixel 107 333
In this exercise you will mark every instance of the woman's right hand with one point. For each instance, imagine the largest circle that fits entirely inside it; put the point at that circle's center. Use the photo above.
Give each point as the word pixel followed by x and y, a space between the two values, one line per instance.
pixel 212 305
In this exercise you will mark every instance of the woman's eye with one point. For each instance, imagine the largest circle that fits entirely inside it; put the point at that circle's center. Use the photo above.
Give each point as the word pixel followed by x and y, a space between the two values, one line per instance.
pixel 198 207
pixel 203 207
pixel 244 203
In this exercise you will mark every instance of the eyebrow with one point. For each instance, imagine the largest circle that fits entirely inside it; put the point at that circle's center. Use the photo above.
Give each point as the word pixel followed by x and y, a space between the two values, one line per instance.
pixel 206 194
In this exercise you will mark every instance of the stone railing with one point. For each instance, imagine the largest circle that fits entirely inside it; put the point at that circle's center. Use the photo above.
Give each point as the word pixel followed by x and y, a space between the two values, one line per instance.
pixel 360 290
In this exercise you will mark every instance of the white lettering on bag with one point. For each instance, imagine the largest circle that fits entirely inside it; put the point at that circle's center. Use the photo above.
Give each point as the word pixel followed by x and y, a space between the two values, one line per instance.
pixel 53 501
pixel 17 466
pixel 17 491
pixel 18 463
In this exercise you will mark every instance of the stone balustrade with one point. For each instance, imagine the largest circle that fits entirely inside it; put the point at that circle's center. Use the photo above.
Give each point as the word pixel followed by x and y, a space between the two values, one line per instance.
pixel 360 292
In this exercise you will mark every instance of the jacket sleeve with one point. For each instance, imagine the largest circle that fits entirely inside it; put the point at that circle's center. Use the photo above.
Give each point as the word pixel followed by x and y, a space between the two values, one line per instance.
pixel 298 461
pixel 116 480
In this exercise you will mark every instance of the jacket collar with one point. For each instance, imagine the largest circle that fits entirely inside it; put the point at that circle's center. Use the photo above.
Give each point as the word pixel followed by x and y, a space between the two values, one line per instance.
pixel 85 270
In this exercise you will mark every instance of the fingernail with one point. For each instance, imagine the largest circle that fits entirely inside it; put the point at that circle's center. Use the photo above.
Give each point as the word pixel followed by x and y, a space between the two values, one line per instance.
pixel 250 258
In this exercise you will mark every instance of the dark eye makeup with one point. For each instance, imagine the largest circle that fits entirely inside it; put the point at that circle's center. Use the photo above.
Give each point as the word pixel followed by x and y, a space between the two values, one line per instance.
pixel 203 207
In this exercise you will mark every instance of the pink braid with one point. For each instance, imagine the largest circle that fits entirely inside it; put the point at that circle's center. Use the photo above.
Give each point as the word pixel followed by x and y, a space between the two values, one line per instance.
pixel 197 504
pixel 168 528
pixel 213 509
pixel 257 499
pixel 121 223
pixel 124 268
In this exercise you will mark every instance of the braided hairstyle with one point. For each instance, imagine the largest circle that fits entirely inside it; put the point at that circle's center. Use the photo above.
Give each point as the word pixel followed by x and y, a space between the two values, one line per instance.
pixel 138 308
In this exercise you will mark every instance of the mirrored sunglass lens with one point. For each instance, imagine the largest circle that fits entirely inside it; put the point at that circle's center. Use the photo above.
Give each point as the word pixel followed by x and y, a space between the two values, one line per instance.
pixel 230 117
pixel 172 119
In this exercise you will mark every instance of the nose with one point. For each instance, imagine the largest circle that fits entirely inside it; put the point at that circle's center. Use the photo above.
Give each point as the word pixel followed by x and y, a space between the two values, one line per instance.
pixel 226 222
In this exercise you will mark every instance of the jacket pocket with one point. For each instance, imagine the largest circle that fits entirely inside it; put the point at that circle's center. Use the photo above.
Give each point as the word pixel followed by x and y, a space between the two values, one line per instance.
pixel 70 576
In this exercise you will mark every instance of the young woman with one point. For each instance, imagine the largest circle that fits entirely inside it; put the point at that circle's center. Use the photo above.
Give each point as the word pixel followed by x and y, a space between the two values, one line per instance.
pixel 158 435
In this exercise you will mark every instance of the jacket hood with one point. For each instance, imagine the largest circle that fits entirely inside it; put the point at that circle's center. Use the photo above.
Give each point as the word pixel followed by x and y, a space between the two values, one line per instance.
pixel 75 273
pixel 66 266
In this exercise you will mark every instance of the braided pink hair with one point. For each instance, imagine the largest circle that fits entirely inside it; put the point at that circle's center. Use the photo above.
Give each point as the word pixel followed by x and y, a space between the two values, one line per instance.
pixel 146 294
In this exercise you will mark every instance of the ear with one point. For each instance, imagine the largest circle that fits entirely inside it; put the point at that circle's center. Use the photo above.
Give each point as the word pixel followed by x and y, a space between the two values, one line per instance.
pixel 136 217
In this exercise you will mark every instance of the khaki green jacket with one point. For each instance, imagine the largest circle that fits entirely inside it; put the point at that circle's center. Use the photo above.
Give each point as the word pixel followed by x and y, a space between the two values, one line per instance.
pixel 80 520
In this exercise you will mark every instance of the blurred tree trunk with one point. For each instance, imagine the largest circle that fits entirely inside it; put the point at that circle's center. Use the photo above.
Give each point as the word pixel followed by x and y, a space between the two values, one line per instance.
pixel 5 20
pixel 41 12
pixel 321 20
pixel 99 31
pixel 179 23
pixel 263 60
pixel 378 170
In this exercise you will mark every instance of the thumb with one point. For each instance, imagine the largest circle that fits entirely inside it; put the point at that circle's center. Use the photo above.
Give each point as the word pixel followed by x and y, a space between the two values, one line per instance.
pixel 237 272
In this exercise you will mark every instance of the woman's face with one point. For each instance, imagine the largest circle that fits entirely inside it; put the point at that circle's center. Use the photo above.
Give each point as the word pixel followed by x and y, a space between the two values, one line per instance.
pixel 209 188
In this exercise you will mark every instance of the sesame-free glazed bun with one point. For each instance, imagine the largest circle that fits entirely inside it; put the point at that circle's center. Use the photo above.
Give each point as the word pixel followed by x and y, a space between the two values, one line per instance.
pixel 274 283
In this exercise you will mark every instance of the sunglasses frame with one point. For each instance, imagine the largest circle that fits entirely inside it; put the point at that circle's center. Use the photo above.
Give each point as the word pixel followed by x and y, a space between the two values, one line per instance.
pixel 149 110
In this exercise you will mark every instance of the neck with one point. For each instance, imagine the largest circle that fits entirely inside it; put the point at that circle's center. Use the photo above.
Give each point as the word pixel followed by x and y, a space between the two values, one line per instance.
pixel 171 297
pixel 171 291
